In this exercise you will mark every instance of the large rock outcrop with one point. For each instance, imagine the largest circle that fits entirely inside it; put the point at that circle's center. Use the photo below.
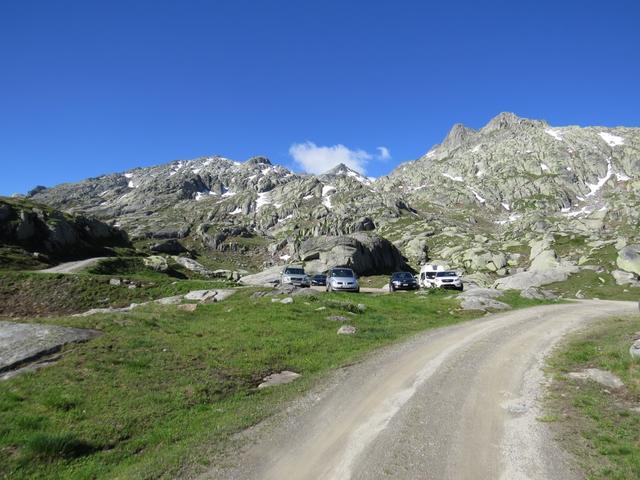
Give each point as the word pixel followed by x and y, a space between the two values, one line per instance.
pixel 38 228
pixel 629 259
pixel 366 254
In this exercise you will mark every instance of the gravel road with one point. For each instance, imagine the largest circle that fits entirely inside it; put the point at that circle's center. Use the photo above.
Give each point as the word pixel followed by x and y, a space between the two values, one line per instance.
pixel 455 403
pixel 73 267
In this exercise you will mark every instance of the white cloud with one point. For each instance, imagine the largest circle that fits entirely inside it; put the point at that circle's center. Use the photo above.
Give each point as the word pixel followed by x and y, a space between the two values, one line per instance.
pixel 384 153
pixel 315 159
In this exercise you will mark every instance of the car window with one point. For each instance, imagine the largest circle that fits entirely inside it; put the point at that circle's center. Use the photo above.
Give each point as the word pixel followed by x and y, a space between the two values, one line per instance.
pixel 294 271
pixel 402 276
pixel 342 272
pixel 446 274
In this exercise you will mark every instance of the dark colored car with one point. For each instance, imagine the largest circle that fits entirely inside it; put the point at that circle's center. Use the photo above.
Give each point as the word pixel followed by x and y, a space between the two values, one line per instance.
pixel 319 279
pixel 403 281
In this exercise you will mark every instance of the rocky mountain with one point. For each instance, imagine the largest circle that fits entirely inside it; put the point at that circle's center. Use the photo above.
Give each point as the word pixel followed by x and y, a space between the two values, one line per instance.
pixel 478 201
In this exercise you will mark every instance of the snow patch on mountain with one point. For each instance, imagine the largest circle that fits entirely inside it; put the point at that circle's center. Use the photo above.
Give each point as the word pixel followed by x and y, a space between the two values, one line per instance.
pixel 451 177
pixel 611 140
pixel 554 133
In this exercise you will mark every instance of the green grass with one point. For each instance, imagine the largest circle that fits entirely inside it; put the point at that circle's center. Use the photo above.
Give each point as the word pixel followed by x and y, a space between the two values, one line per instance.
pixel 594 285
pixel 16 258
pixel 36 294
pixel 599 427
pixel 135 266
pixel 162 390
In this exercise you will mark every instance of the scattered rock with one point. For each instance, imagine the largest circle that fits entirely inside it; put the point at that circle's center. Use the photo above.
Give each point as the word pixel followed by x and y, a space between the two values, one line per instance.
pixel 629 259
pixel 21 343
pixel 536 278
pixel 287 300
pixel 603 377
pixel 188 307
pixel 204 296
pixel 116 282
pixel 538 294
pixel 625 278
pixel 482 303
pixel 634 350
pixel 347 330
pixel 270 276
pixel 361 307
pixel 280 378
pixel 170 300
pixel 337 318
pixel 157 263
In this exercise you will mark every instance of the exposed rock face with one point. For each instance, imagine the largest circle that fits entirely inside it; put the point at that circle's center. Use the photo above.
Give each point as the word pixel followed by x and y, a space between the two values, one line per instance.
pixel 38 228
pixel 629 259
pixel 604 378
pixel 364 253
pixel 171 246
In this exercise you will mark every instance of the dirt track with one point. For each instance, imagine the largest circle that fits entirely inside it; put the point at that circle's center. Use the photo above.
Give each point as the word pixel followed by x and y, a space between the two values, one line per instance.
pixel 73 267
pixel 455 403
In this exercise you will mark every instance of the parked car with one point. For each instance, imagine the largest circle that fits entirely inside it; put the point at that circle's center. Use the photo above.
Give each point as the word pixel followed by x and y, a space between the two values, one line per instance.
pixel 446 279
pixel 343 280
pixel 319 279
pixel 295 276
pixel 403 281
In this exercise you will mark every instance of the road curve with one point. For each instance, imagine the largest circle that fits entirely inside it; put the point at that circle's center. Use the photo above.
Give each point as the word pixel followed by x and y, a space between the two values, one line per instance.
pixel 454 403
pixel 73 267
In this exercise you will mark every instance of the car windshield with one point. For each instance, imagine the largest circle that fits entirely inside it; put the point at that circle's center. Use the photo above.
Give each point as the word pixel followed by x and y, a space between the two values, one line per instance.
pixel 294 271
pixel 446 274
pixel 402 276
pixel 343 272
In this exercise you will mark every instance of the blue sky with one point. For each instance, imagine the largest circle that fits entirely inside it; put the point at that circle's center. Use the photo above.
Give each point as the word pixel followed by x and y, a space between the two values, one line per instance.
pixel 91 87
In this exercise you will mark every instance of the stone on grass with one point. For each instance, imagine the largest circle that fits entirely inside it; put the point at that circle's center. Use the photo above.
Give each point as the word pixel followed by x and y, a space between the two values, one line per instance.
pixel 634 350
pixel 625 278
pixel 278 379
pixel 188 307
pixel 482 303
pixel 347 330
pixel 602 377
pixel 537 294
pixel 116 282
pixel 361 307
pixel 337 318
pixel 287 300
pixel 629 259
pixel 170 300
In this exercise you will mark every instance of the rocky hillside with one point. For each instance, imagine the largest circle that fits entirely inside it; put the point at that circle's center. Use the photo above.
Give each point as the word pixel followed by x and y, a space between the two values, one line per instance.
pixel 482 200
pixel 44 235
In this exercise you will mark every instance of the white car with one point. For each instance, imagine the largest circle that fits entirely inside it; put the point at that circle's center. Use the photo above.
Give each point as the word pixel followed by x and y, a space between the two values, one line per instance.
pixel 295 276
pixel 445 279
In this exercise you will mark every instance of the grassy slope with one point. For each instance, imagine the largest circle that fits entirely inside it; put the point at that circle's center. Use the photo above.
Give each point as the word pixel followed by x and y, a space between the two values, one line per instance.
pixel 162 386
pixel 35 294
pixel 599 427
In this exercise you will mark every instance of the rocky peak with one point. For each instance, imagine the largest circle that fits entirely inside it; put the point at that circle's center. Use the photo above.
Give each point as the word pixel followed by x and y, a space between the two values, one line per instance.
pixel 342 170
pixel 458 136
pixel 506 120
pixel 259 161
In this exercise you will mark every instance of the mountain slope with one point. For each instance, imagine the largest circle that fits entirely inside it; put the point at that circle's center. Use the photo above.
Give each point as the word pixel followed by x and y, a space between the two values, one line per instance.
pixel 486 193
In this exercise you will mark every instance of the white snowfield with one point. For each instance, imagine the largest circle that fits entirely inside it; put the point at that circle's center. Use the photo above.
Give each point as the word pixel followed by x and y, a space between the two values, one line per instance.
pixel 612 140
